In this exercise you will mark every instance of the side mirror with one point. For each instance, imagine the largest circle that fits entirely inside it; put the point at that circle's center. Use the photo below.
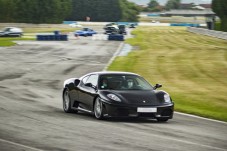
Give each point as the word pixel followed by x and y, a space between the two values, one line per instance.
pixel 157 86
pixel 88 84
pixel 76 82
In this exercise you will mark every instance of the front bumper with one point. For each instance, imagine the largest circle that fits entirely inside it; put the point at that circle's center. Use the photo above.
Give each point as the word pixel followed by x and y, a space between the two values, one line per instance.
pixel 163 111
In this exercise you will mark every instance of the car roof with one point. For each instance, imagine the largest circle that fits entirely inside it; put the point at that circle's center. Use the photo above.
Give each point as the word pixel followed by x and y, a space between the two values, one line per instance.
pixel 109 72
pixel 112 72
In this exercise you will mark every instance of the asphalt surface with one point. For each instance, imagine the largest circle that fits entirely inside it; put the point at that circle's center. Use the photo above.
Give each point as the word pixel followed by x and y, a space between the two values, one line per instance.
pixel 32 119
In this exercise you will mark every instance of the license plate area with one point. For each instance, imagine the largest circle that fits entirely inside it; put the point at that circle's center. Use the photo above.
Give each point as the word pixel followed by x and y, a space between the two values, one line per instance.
pixel 146 109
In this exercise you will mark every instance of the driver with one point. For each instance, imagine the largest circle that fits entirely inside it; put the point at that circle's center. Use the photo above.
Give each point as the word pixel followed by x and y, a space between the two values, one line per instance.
pixel 104 83
pixel 130 83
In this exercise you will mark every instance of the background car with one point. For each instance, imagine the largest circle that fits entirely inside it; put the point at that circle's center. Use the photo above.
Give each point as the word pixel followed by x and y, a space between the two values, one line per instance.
pixel 132 25
pixel 75 25
pixel 11 32
pixel 110 25
pixel 122 29
pixel 111 30
pixel 116 94
pixel 85 32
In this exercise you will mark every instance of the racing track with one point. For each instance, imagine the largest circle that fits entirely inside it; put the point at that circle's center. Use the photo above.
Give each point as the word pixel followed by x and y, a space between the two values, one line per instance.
pixel 31 115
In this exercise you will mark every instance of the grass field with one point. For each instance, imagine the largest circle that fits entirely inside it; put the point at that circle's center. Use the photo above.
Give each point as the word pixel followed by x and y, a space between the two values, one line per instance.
pixel 8 41
pixel 50 29
pixel 192 68
pixel 174 19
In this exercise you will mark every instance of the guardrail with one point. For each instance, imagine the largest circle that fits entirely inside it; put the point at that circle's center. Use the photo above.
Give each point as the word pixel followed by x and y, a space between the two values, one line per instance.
pixel 185 24
pixel 52 37
pixel 117 37
pixel 207 32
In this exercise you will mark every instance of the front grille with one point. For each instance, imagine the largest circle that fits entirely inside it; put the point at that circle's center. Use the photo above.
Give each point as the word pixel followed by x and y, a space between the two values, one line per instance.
pixel 143 101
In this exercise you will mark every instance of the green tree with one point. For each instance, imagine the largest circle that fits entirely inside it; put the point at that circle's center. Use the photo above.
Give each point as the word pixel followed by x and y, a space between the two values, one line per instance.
pixel 97 10
pixel 220 8
pixel 103 10
pixel 153 4
pixel 42 11
pixel 129 11
pixel 55 11
pixel 172 4
pixel 7 12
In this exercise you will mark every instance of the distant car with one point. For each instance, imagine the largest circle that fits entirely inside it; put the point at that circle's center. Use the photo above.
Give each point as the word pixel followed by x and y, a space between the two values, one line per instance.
pixel 110 24
pixel 85 32
pixel 122 29
pixel 75 25
pixel 116 94
pixel 11 32
pixel 111 30
pixel 153 21
pixel 132 25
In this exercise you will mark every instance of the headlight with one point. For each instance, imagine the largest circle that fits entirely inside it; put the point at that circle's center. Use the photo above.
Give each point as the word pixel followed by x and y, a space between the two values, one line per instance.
pixel 167 98
pixel 113 97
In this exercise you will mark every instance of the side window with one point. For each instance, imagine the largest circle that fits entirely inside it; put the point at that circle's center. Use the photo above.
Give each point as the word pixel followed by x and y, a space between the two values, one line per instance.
pixel 93 79
pixel 84 80
pixel 7 29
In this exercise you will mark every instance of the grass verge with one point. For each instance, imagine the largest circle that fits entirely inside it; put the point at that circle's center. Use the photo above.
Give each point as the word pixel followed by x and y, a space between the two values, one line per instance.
pixel 8 41
pixel 191 67
pixel 30 34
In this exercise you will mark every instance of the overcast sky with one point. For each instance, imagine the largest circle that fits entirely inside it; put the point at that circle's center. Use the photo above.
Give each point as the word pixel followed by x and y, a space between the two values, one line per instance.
pixel 162 2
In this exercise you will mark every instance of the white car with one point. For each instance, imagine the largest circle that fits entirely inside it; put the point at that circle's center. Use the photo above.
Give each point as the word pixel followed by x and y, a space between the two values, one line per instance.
pixel 75 25
pixel 11 32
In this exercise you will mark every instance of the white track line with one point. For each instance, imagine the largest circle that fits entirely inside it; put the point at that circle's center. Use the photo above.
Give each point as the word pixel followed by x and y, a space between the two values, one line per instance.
pixel 21 145
pixel 199 117
pixel 114 56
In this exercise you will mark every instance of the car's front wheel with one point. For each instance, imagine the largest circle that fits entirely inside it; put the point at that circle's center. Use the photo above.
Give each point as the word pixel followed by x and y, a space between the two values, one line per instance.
pixel 66 102
pixel 98 108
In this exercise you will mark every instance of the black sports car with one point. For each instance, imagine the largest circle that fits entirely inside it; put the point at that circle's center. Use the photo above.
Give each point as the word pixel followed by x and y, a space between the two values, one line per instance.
pixel 116 94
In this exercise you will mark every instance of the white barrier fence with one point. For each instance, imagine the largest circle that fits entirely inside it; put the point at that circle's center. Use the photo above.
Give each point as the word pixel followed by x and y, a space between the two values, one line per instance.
pixel 207 32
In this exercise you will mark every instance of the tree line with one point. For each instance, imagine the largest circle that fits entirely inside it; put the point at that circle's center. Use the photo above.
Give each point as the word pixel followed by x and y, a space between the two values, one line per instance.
pixel 220 8
pixel 56 11
pixel 154 6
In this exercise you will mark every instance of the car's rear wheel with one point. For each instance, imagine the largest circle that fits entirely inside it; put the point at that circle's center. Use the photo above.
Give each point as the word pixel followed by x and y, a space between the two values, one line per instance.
pixel 162 119
pixel 98 108
pixel 66 102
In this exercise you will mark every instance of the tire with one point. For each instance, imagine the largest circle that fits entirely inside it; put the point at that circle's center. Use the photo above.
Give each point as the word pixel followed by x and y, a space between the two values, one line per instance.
pixel 67 102
pixel 162 119
pixel 98 109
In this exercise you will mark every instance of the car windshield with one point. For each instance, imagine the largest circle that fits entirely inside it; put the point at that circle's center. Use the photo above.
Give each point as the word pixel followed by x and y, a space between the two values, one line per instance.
pixel 123 82
pixel 121 26
pixel 6 29
pixel 86 29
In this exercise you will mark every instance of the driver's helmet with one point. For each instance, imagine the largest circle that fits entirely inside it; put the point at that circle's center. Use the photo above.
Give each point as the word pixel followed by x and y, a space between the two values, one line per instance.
pixel 104 83
pixel 130 83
